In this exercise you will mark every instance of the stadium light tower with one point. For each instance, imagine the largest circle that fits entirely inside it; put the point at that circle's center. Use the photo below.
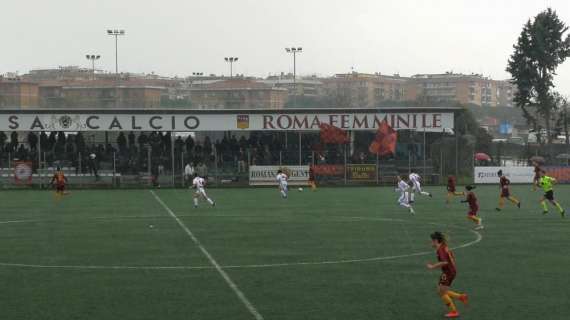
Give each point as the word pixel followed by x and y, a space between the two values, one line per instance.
pixel 231 61
pixel 198 75
pixel 294 51
pixel 93 58
pixel 116 33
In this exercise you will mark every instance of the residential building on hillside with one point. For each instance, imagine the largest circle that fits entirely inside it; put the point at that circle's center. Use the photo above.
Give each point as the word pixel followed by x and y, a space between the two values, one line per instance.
pixel 463 88
pixel 238 94
pixel 362 90
pixel 18 93
pixel 301 86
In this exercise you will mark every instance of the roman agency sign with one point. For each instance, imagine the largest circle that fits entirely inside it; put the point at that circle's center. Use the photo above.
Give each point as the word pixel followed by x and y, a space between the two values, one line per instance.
pixel 428 121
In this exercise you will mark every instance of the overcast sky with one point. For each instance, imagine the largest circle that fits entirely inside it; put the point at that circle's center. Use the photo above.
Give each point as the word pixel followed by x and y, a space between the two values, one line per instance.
pixel 176 37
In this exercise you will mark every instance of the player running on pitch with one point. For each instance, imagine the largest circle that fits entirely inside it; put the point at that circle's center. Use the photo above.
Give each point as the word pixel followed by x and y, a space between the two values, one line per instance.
pixel 471 199
pixel 415 179
pixel 404 188
pixel 536 178
pixel 446 261
pixel 59 180
pixel 312 180
pixel 547 184
pixel 282 180
pixel 451 189
pixel 199 184
pixel 505 192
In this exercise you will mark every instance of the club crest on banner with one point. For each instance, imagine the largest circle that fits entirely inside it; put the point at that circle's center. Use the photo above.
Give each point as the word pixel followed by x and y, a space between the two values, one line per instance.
pixel 242 121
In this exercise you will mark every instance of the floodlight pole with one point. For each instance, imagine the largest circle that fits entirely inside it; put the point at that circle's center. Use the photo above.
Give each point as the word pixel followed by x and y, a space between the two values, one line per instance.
pixel 92 58
pixel 231 61
pixel 116 33
pixel 294 51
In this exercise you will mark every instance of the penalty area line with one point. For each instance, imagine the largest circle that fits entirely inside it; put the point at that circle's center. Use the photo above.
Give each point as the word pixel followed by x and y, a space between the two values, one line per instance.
pixel 241 296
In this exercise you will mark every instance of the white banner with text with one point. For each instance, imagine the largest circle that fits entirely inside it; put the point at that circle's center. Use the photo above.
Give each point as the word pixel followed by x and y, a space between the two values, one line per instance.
pixel 419 121
pixel 489 175
pixel 265 175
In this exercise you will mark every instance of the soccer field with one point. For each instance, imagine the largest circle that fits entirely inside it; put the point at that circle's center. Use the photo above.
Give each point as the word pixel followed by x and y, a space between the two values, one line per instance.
pixel 337 253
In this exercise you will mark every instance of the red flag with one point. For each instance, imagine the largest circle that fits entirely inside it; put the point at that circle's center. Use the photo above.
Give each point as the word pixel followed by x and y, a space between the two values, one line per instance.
pixel 332 134
pixel 385 141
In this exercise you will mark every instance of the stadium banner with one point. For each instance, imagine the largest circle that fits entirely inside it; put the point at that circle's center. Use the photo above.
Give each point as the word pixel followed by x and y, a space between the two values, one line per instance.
pixel 560 173
pixel 328 170
pixel 361 172
pixel 488 175
pixel 23 172
pixel 200 121
pixel 265 175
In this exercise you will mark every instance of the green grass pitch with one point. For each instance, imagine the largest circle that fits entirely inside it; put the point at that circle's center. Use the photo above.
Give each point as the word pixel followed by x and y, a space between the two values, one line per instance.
pixel 337 253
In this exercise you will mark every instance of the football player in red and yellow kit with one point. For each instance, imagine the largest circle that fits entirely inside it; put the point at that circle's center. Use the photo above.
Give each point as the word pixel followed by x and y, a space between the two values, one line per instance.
pixel 451 189
pixel 446 262
pixel 504 183
pixel 471 199
pixel 59 180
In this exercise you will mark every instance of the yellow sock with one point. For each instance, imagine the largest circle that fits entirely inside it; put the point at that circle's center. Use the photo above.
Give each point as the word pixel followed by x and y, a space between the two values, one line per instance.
pixel 475 219
pixel 449 194
pixel 514 200
pixel 501 202
pixel 448 302
pixel 544 206
pixel 453 294
pixel 558 206
pixel 459 193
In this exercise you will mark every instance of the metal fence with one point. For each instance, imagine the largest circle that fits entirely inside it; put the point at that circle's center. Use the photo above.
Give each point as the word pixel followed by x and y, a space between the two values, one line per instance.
pixel 28 160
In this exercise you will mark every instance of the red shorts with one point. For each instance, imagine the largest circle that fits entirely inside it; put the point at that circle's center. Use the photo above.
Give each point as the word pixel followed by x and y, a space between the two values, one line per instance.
pixel 446 279
pixel 451 189
pixel 505 193
pixel 60 187
pixel 473 211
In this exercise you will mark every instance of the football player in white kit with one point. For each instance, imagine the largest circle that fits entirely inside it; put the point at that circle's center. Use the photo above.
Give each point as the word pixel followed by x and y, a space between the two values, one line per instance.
pixel 404 188
pixel 200 183
pixel 282 180
pixel 415 179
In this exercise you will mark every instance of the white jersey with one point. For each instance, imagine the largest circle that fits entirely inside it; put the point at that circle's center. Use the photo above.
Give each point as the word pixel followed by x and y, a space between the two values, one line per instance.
pixel 403 186
pixel 415 178
pixel 282 178
pixel 199 183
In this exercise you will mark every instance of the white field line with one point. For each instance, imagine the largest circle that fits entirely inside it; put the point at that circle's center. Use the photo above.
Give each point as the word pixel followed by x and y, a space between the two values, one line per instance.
pixel 478 238
pixel 212 261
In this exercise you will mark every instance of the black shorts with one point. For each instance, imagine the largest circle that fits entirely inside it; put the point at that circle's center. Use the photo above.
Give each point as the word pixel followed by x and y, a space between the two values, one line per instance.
pixel 446 279
pixel 549 195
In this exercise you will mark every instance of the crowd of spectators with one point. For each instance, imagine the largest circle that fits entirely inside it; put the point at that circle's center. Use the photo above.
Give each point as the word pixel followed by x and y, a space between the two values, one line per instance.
pixel 130 152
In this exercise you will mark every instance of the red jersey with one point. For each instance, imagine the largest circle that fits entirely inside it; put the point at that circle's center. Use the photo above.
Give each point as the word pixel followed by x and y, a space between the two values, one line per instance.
pixel 311 174
pixel 472 200
pixel 59 178
pixel 504 182
pixel 451 184
pixel 445 255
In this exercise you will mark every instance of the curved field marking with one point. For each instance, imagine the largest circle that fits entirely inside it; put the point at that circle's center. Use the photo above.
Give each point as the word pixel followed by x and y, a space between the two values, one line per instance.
pixel 478 238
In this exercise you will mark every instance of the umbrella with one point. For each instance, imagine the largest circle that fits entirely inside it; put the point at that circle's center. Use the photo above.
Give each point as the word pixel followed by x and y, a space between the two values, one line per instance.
pixel 564 156
pixel 482 157
pixel 537 159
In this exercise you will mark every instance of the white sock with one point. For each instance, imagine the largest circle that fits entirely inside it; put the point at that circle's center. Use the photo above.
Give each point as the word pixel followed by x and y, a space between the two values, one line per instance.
pixel 405 205
pixel 196 202
pixel 425 193
pixel 209 200
pixel 284 194
pixel 412 196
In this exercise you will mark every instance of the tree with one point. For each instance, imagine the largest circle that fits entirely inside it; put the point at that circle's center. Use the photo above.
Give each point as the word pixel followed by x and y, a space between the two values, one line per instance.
pixel 541 47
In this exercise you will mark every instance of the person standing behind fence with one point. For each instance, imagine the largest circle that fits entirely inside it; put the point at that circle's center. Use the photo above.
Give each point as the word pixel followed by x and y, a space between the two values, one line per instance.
pixel 93 165
pixel 202 170
pixel 189 173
